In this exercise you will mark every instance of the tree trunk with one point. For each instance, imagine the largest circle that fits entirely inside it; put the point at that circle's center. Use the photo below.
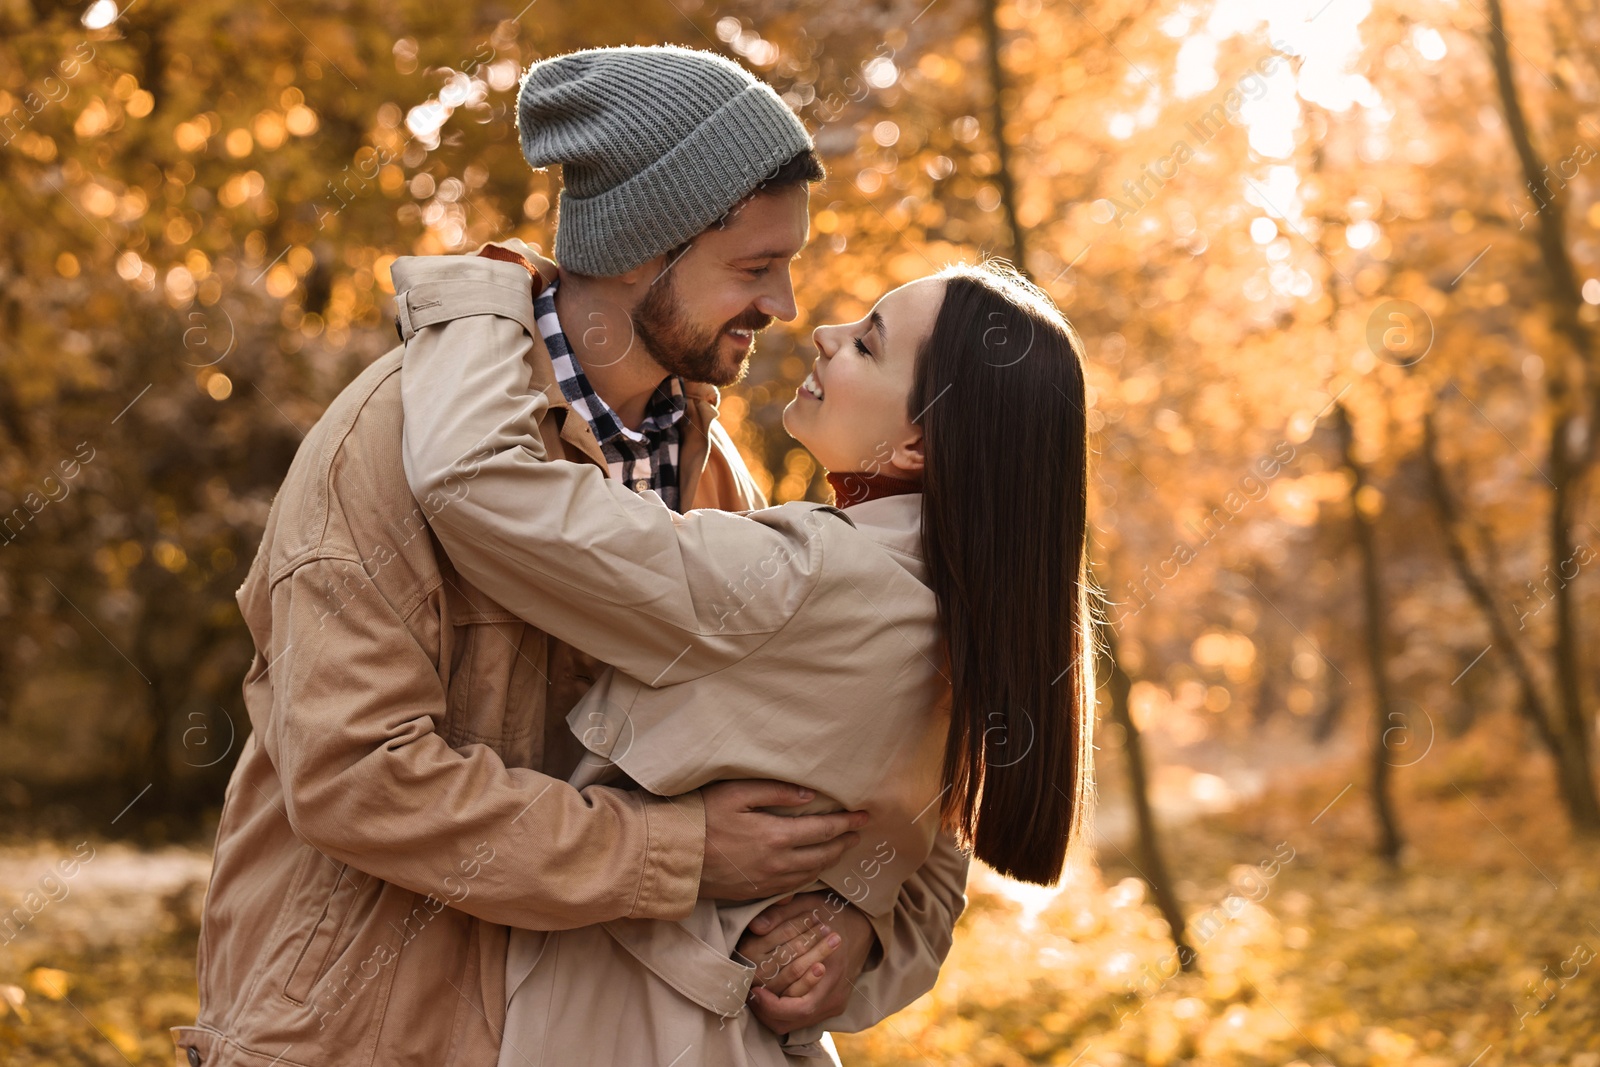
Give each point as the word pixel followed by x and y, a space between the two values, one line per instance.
pixel 1383 709
pixel 1573 778
pixel 1327 720
pixel 1154 864
pixel 1373 610
pixel 1567 462
pixel 989 14
pixel 1576 761
pixel 1566 295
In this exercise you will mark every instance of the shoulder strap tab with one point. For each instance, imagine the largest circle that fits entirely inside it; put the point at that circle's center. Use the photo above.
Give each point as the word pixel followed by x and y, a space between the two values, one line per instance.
pixel 429 303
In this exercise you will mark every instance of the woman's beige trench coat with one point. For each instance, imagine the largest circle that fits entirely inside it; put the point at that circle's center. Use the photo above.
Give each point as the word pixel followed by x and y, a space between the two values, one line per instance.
pixel 798 643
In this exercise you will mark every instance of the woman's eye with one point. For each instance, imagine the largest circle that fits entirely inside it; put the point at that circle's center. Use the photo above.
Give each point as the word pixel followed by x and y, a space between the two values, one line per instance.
pixel 861 346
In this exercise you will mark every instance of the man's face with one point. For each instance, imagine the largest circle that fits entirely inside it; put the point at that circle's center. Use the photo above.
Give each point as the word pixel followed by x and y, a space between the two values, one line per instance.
pixel 700 318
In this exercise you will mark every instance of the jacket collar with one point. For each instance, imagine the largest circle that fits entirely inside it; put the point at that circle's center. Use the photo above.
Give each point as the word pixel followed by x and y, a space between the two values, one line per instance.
pixel 894 523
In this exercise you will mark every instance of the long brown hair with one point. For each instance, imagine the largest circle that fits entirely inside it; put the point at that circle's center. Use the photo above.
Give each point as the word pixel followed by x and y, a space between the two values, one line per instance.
pixel 999 394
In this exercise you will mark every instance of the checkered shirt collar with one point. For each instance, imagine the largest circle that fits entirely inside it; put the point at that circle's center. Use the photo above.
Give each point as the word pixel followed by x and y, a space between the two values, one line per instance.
pixel 666 406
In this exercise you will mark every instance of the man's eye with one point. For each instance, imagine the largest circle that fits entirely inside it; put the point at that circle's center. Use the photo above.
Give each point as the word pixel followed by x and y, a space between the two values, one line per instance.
pixel 757 272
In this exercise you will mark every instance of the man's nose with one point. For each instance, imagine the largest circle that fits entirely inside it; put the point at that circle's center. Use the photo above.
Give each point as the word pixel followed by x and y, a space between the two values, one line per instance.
pixel 779 301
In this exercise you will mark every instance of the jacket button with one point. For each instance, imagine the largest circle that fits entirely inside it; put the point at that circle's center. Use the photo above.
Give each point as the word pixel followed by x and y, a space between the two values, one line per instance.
pixel 194 1056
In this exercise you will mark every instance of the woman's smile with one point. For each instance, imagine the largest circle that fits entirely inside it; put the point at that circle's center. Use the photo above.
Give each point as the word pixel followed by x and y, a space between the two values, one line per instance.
pixel 811 387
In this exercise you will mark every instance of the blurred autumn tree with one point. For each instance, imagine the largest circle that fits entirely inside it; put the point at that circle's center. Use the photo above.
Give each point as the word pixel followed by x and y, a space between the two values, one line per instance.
pixel 201 203
pixel 1229 200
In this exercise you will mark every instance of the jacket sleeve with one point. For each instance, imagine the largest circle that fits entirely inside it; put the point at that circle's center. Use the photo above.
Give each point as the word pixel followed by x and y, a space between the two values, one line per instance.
pixel 660 596
pixel 369 781
pixel 913 941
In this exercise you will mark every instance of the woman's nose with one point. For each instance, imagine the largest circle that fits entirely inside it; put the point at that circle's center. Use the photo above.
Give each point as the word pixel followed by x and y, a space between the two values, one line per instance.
pixel 826 340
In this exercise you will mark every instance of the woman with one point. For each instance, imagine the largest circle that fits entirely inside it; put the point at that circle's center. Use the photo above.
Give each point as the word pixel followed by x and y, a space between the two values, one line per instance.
pixel 922 653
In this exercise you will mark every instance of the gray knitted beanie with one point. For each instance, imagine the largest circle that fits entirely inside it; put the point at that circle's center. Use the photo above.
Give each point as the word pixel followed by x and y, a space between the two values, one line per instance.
pixel 655 144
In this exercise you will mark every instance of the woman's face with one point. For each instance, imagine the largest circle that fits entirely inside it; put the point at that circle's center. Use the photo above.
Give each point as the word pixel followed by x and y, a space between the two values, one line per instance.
pixel 851 411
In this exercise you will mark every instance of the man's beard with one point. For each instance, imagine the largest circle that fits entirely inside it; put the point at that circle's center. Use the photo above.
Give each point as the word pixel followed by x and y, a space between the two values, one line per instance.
pixel 691 352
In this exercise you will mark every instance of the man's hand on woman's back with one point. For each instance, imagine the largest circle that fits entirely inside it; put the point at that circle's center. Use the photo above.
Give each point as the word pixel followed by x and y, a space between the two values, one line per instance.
pixel 751 853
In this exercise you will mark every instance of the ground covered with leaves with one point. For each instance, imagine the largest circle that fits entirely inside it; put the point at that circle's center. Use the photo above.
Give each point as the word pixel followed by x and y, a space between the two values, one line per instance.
pixel 1478 950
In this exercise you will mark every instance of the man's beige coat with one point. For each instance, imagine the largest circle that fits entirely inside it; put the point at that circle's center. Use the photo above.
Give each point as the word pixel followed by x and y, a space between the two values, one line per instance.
pixel 798 643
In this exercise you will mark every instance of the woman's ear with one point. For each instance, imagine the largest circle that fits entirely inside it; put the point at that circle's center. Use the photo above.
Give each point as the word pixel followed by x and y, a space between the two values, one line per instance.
pixel 908 455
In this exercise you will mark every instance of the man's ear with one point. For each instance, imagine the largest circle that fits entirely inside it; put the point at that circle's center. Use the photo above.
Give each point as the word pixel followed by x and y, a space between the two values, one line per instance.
pixel 908 455
pixel 644 273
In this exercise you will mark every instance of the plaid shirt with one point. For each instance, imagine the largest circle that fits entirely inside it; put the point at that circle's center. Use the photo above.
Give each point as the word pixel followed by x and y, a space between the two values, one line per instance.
pixel 646 458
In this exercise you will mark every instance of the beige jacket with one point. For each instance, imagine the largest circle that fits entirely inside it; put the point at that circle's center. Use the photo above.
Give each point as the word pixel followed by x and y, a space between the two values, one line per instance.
pixel 798 643
pixel 402 798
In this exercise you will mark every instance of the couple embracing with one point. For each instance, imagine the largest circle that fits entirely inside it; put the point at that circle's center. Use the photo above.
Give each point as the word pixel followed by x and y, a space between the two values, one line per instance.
pixel 568 750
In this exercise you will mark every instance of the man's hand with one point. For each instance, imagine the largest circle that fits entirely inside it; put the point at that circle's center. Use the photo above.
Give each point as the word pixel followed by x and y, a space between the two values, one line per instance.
pixel 802 990
pixel 751 853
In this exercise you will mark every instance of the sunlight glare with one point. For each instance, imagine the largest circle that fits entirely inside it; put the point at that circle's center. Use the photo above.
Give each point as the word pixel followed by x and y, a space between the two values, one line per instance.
pixel 1196 71
pixel 101 14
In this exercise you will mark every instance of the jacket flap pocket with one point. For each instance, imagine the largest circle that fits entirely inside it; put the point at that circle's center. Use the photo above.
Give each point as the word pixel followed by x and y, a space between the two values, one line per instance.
pixel 318 951
pixel 694 968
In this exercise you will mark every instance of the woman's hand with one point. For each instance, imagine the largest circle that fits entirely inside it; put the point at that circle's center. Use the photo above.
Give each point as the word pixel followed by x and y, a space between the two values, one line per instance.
pixel 788 942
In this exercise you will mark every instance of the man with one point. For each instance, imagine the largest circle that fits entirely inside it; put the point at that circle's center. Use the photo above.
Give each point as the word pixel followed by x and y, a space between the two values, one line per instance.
pixel 401 801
